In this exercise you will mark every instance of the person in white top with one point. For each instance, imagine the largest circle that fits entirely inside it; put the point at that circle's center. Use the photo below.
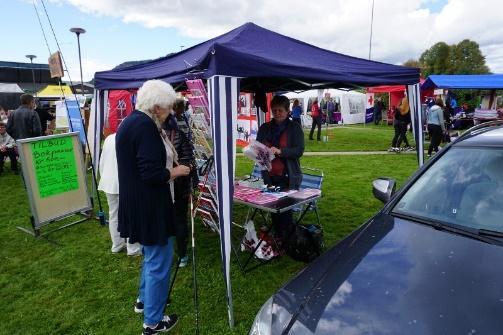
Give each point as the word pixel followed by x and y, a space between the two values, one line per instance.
pixel 109 184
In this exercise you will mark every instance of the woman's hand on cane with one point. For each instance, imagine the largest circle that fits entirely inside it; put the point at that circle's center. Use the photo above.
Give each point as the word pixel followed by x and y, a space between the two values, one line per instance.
pixel 179 171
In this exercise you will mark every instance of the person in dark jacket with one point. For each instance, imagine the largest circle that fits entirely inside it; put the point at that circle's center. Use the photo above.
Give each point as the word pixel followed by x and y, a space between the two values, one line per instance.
pixel 401 119
pixel 24 121
pixel 45 116
pixel 378 107
pixel 179 133
pixel 285 138
pixel 145 167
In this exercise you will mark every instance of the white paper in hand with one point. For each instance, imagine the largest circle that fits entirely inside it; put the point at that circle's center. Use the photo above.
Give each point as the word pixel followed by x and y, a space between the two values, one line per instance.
pixel 260 154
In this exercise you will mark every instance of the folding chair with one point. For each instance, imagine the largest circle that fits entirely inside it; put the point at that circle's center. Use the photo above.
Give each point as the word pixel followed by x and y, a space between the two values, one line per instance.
pixel 314 179
pixel 256 173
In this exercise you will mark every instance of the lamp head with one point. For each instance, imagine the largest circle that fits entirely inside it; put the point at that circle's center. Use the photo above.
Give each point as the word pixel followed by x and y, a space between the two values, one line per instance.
pixel 78 31
pixel 31 57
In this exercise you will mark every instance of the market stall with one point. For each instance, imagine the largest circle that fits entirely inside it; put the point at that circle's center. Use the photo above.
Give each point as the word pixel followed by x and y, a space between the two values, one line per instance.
pixel 395 95
pixel 487 110
pixel 250 59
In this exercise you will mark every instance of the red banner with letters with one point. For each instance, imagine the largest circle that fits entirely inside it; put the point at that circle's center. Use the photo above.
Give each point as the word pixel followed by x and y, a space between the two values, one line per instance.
pixel 120 105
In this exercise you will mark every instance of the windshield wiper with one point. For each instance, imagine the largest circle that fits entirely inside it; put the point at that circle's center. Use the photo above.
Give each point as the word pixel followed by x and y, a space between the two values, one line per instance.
pixel 492 233
pixel 483 235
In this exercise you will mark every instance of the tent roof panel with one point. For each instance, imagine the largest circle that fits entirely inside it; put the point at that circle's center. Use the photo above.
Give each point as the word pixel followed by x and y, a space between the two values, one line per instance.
pixel 258 55
pixel 468 81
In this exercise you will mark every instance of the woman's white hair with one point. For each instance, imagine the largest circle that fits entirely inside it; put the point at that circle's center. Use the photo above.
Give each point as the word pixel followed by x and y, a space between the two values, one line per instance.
pixel 155 92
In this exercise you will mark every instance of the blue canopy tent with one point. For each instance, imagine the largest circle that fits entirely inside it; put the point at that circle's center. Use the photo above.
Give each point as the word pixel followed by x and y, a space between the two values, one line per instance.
pixel 465 81
pixel 253 59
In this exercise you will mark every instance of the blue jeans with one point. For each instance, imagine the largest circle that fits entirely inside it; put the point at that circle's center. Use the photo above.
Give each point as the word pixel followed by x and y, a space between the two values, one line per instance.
pixel 154 280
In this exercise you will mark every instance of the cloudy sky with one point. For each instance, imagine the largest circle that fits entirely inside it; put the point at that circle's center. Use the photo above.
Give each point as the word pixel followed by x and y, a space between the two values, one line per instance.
pixel 122 30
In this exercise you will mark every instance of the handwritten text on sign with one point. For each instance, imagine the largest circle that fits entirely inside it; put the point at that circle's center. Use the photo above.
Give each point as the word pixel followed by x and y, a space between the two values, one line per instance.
pixel 54 166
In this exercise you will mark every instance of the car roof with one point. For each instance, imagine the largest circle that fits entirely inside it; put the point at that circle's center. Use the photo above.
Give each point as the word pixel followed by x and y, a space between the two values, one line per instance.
pixel 490 135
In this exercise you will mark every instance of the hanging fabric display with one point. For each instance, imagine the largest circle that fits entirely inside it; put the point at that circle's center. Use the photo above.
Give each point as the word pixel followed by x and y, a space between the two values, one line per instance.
pixel 120 105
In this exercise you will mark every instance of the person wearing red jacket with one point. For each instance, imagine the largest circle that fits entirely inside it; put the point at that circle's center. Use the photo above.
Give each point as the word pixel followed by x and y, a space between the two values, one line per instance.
pixel 316 115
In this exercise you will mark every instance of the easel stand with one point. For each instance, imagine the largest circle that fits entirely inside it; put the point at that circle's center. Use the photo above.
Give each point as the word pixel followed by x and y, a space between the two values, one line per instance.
pixel 55 180
pixel 36 231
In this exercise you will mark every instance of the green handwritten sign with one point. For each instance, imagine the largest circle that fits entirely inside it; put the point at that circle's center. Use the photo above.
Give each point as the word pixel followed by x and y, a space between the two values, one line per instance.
pixel 54 164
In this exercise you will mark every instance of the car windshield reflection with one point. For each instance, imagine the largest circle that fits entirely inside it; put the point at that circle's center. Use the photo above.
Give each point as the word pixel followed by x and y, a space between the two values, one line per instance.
pixel 464 188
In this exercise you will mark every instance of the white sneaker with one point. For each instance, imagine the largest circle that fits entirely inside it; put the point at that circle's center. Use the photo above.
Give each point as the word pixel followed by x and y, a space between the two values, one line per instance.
pixel 134 253
pixel 117 249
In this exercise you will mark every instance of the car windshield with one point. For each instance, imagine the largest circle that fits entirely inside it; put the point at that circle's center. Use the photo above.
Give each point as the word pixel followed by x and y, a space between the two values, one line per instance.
pixel 464 187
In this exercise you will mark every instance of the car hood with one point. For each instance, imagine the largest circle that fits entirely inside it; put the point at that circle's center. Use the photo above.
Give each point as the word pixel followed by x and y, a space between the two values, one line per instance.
pixel 393 276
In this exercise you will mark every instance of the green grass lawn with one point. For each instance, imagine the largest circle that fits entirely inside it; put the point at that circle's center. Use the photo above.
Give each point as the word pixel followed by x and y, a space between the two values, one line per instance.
pixel 354 138
pixel 70 283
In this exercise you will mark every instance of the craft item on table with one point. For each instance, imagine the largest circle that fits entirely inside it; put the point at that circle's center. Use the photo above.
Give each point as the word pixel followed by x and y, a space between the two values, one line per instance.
pixel 260 154
pixel 485 114
pixel 256 184
pixel 261 198
pixel 243 192
pixel 305 193
pixel 279 195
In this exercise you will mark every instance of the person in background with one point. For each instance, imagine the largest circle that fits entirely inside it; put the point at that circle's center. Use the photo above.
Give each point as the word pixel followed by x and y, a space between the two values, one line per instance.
pixel 44 116
pixel 316 115
pixel 296 112
pixel 330 110
pixel 404 109
pixel 401 118
pixel 109 184
pixel 436 127
pixel 3 115
pixel 378 107
pixel 146 167
pixel 7 149
pixel 285 138
pixel 179 133
pixel 24 121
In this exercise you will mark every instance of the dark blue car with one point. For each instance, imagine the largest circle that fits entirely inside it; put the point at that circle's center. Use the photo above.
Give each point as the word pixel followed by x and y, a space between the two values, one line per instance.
pixel 430 262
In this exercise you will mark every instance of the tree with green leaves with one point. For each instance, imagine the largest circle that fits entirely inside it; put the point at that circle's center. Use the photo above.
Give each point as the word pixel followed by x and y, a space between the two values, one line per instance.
pixel 466 58
pixel 436 60
pixel 413 63
pixel 462 58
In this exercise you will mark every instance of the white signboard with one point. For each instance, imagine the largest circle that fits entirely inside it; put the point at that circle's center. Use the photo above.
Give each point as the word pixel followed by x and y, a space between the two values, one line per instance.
pixel 61 115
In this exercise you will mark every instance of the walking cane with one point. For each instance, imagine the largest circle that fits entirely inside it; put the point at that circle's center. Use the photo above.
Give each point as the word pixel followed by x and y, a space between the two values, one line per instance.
pixel 196 303
pixel 173 281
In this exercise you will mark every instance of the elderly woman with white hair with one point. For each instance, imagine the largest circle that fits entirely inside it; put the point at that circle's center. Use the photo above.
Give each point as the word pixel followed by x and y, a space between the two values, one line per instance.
pixel 145 161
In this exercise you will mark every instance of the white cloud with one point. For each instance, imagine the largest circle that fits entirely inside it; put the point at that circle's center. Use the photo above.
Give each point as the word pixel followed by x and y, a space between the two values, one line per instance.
pixel 402 29
pixel 89 67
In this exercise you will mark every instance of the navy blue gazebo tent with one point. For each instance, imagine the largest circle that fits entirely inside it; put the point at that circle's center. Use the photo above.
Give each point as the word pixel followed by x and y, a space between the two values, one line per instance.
pixel 252 59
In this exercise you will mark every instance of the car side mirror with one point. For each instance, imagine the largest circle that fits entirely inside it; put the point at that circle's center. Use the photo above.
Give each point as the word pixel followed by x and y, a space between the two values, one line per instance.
pixel 383 188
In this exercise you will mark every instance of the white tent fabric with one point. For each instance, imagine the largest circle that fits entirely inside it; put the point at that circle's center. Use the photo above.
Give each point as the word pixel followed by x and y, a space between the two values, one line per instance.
pixel 10 88
pixel 352 103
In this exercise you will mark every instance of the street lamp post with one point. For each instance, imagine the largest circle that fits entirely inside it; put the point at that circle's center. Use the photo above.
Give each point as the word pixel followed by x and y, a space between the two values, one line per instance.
pixel 79 31
pixel 31 57
pixel 101 214
pixel 371 25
